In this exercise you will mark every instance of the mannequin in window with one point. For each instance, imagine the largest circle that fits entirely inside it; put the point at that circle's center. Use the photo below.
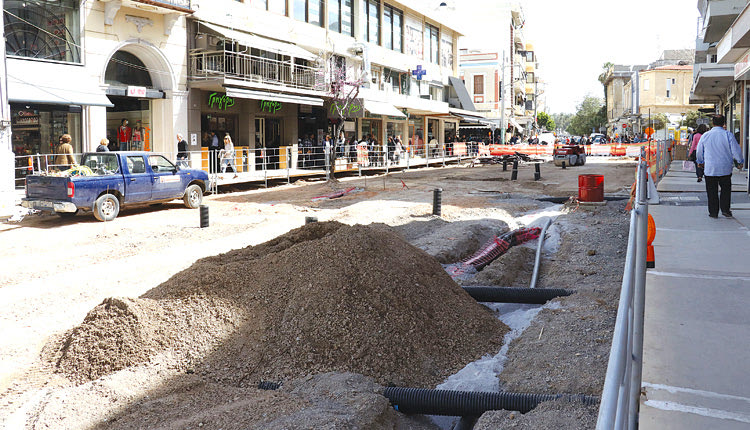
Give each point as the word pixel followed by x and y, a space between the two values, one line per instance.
pixel 124 135
pixel 137 137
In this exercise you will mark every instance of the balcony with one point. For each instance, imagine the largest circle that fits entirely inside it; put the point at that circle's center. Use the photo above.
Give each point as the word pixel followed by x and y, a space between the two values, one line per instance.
pixel 718 15
pixel 178 5
pixel 205 65
pixel 710 82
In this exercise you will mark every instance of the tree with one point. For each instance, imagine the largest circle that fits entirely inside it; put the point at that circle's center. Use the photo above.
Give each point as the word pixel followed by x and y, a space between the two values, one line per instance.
pixel 590 115
pixel 545 121
pixel 691 119
pixel 344 94
pixel 657 121
pixel 562 120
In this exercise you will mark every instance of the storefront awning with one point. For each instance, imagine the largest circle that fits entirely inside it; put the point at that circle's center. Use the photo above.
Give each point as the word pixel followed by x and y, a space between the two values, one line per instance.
pixel 466 115
pixel 515 124
pixel 260 42
pixel 380 108
pixel 31 89
pixel 242 93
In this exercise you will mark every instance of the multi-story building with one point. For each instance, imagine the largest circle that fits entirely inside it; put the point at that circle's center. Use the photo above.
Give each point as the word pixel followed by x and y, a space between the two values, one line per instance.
pixel 258 70
pixel 722 63
pixel 261 70
pixel 83 68
pixel 634 92
pixel 502 75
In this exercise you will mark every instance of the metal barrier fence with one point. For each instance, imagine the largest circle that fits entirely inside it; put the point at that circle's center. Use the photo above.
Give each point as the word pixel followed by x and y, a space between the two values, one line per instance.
pixel 622 386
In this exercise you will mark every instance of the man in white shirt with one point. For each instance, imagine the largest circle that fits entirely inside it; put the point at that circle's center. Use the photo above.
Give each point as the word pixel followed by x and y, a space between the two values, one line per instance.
pixel 717 152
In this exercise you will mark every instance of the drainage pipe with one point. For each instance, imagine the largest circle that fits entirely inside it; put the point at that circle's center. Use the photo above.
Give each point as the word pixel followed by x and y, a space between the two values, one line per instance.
pixel 538 296
pixel 539 253
pixel 466 403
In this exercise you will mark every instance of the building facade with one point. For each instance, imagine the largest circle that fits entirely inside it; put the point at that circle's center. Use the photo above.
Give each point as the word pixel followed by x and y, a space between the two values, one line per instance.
pixel 722 64
pixel 99 69
pixel 271 64
pixel 504 82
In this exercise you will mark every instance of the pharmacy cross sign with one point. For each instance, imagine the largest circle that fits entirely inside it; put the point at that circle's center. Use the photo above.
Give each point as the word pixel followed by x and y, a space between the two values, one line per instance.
pixel 419 72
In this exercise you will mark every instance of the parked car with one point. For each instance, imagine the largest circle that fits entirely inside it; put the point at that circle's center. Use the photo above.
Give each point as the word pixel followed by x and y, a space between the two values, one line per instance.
pixel 107 181
pixel 597 138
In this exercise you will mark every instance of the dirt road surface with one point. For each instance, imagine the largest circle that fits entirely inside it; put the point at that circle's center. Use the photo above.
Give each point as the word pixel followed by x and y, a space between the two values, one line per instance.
pixel 55 271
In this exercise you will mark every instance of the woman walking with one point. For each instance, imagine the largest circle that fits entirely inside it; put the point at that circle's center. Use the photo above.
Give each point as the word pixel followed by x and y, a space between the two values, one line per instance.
pixel 691 154
pixel 227 156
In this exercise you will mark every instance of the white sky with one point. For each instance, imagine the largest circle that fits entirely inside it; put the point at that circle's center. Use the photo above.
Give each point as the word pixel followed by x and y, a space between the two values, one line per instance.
pixel 574 38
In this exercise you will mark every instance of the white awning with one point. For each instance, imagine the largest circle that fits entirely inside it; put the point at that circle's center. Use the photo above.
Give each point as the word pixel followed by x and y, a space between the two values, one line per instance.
pixel 470 116
pixel 515 124
pixel 29 87
pixel 242 93
pixel 380 108
pixel 260 42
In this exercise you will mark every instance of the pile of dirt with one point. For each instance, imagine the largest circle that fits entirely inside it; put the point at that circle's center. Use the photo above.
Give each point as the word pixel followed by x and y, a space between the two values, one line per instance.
pixel 512 269
pixel 557 414
pixel 324 297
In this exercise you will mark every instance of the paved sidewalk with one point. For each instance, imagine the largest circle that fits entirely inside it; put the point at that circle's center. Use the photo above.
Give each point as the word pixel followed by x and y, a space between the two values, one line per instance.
pixel 696 372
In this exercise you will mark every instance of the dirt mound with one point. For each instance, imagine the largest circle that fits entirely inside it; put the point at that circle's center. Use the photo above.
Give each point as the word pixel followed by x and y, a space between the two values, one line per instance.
pixel 325 297
pixel 556 414
pixel 512 269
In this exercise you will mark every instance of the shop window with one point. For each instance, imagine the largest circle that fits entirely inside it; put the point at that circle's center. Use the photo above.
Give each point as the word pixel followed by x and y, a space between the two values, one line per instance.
pixel 276 6
pixel 432 38
pixel 125 69
pixel 43 30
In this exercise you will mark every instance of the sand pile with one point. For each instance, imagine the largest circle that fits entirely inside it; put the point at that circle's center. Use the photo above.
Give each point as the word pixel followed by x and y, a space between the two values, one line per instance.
pixel 325 297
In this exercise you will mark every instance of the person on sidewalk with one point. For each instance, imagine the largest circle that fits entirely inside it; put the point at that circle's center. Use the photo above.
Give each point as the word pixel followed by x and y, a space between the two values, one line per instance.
pixel 182 151
pixel 227 156
pixel 691 153
pixel 64 158
pixel 716 152
pixel 103 145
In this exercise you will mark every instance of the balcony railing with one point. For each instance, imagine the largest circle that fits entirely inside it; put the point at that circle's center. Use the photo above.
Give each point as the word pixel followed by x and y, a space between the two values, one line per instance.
pixel 182 4
pixel 250 68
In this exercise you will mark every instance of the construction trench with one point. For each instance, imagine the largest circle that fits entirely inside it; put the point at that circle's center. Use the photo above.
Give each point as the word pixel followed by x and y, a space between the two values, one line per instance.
pixel 339 318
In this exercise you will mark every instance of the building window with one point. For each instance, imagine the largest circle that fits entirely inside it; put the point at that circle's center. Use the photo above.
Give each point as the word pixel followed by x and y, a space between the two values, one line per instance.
pixel 529 77
pixel 310 11
pixel 645 85
pixel 392 28
pixel 530 56
pixel 436 93
pixel 372 24
pixel 275 6
pixel 43 30
pixel 669 87
pixel 431 42
pixel 340 16
pixel 479 85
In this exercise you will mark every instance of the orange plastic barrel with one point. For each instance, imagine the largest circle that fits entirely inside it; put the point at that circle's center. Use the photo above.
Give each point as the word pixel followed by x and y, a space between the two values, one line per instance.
pixel 591 188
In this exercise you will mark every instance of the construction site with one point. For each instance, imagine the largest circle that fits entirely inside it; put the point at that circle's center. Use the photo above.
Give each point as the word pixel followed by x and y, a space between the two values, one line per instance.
pixel 364 303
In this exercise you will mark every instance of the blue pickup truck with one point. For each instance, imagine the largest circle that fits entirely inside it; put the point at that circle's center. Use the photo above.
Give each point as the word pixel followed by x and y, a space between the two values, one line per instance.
pixel 112 180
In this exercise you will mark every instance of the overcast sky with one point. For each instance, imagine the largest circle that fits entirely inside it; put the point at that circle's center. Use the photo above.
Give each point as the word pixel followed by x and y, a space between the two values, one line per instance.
pixel 574 38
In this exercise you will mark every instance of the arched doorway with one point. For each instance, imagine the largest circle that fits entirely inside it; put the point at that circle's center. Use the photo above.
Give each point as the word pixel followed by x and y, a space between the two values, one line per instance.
pixel 139 81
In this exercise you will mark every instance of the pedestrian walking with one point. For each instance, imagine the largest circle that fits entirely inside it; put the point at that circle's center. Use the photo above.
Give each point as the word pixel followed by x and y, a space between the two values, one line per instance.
pixel 103 145
pixel 64 158
pixel 703 128
pixel 227 156
pixel 182 151
pixel 717 153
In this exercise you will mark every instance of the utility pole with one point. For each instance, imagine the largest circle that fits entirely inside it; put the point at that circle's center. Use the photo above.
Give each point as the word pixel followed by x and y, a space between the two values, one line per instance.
pixel 7 160
pixel 502 101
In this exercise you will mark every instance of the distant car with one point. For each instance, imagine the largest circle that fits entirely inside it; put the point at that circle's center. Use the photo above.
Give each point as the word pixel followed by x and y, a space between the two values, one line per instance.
pixel 597 138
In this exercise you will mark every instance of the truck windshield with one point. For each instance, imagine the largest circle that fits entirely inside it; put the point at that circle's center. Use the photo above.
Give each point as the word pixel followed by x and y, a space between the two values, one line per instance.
pixel 101 164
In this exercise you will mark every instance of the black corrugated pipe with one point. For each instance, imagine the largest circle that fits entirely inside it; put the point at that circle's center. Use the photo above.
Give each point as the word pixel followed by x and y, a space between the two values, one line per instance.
pixel 537 296
pixel 466 403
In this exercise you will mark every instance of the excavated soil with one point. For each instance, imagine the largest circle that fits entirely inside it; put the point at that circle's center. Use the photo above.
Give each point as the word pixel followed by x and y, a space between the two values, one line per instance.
pixel 321 298
pixel 306 308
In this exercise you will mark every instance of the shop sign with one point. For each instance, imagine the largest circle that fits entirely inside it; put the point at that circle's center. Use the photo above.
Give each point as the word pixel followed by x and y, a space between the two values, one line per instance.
pixel 136 91
pixel 220 101
pixel 270 106
pixel 741 66
pixel 353 109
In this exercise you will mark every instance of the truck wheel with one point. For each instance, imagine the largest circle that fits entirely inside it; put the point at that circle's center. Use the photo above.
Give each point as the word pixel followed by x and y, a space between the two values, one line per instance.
pixel 193 196
pixel 106 207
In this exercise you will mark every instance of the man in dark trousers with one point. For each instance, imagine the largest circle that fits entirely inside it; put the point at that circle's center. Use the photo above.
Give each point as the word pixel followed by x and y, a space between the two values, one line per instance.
pixel 716 153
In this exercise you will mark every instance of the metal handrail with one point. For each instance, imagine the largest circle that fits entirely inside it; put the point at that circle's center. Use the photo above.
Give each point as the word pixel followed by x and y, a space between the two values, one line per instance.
pixel 622 386
pixel 251 68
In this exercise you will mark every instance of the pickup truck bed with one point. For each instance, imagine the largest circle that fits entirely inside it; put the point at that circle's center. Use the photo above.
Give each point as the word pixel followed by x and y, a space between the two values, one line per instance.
pixel 106 181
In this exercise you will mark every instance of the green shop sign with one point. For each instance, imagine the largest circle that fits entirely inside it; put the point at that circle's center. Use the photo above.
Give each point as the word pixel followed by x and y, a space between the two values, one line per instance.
pixel 220 101
pixel 270 106
pixel 352 109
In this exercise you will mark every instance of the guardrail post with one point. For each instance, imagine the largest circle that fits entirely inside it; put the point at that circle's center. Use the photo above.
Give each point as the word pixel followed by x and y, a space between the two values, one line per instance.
pixel 288 161
pixel 443 155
